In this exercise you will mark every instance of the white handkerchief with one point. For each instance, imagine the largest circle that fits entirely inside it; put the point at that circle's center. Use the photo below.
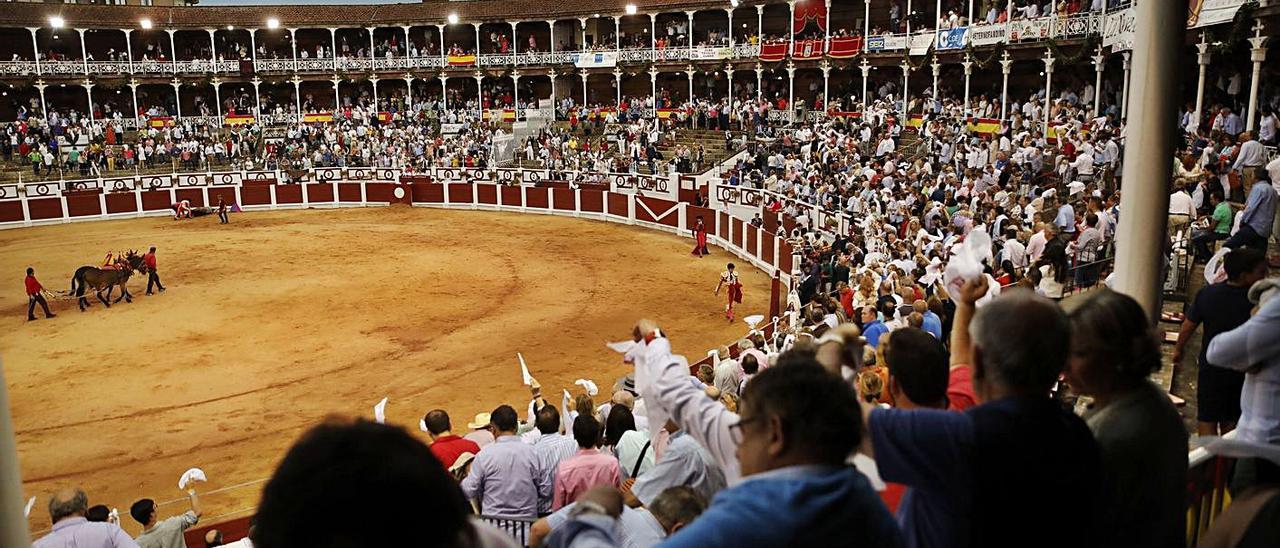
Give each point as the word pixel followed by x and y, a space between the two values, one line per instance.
pixel 26 512
pixel 564 404
pixel 380 411
pixel 753 321
pixel 422 425
pixel 524 370
pixel 590 386
pixel 621 347
pixel 194 474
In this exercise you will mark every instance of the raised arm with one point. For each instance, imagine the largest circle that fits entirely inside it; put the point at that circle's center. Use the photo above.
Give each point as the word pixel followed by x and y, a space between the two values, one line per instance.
pixel 706 420
pixel 961 343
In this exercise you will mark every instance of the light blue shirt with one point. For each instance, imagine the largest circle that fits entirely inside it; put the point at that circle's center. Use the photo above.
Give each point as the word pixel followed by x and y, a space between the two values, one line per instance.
pixel 1260 210
pixel 683 463
pixel 1255 343
pixel 1066 219
pixel 508 479
pixel 79 532
pixel 636 527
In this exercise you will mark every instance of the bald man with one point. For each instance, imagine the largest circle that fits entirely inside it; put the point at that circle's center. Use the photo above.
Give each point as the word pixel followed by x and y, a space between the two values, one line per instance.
pixel 67 509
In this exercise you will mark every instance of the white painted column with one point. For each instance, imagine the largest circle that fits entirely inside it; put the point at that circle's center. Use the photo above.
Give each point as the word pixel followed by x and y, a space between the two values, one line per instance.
pixel 1257 54
pixel 1099 65
pixel 177 95
pixel 333 43
pixel 1202 58
pixel 1140 235
pixel 551 37
pixel 444 92
pixel 1006 64
pixel 968 73
pixel 35 47
pixel 1048 89
pixel 88 91
pixel 866 73
pixel 1124 94
pixel 906 82
pixel 84 52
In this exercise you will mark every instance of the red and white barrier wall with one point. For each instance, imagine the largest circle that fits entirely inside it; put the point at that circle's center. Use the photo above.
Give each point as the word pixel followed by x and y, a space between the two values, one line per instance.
pixel 631 199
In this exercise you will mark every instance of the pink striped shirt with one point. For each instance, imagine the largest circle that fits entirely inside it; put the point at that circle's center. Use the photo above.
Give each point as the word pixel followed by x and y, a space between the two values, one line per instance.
pixel 584 470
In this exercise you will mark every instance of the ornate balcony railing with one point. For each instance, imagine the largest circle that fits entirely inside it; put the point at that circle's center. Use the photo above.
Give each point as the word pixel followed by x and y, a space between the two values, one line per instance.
pixel 273 65
pixel 108 67
pixel 497 60
pixel 153 67
pixel 430 62
pixel 17 68
pixel 392 63
pixel 62 67
pixel 351 63
pixel 746 51
pixel 325 65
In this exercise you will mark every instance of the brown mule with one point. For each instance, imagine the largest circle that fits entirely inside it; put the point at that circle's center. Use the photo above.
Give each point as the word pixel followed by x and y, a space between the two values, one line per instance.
pixel 100 280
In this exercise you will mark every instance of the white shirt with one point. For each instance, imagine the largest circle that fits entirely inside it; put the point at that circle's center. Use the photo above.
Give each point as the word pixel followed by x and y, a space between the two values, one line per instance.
pixel 1251 154
pixel 1180 204
pixel 1015 253
pixel 1035 246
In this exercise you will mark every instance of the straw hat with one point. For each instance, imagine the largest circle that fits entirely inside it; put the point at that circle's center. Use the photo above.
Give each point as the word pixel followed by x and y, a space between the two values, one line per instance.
pixel 481 421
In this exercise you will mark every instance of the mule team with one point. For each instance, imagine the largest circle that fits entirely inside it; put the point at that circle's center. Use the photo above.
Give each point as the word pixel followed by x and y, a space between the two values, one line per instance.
pixel 114 272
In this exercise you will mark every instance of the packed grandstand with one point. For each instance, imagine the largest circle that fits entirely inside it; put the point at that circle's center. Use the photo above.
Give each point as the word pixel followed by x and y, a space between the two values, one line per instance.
pixel 933 186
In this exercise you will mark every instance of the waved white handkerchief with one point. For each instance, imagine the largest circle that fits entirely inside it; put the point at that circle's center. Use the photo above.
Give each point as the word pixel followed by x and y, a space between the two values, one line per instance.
pixel 380 411
pixel 589 386
pixel 966 263
pixel 26 512
pixel 422 425
pixel 524 370
pixel 753 320
pixel 621 347
pixel 194 474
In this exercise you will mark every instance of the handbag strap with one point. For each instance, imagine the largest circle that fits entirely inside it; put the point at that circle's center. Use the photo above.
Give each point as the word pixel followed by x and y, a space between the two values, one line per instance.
pixel 640 459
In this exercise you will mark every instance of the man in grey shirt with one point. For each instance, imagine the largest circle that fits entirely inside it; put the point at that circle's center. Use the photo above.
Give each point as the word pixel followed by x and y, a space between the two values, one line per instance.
pixel 167 533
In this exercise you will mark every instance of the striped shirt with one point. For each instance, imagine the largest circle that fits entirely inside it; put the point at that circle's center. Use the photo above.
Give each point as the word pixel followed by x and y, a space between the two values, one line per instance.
pixel 550 450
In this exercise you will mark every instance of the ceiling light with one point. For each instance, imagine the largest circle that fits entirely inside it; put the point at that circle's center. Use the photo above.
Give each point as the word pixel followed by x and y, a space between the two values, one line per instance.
pixel 631 9
pixel 453 18
pixel 56 22
pixel 273 23
pixel 146 23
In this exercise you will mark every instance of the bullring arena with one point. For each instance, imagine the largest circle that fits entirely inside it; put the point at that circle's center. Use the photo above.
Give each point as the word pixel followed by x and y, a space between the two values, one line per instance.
pixel 282 317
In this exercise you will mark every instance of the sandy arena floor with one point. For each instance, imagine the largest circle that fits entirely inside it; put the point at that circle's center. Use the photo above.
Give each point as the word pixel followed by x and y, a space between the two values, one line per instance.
pixel 280 318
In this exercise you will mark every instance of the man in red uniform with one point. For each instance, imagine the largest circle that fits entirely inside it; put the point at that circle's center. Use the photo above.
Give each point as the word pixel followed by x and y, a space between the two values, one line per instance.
pixel 729 279
pixel 700 235
pixel 444 445
pixel 152 276
pixel 34 295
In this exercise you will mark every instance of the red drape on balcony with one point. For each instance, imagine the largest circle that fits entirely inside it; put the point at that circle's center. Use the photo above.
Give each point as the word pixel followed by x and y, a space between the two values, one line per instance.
pixel 809 9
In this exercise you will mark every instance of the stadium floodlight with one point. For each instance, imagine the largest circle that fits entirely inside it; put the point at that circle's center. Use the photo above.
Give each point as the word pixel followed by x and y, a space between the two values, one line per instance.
pixel 273 23
pixel 453 18
pixel 631 9
pixel 57 22
pixel 146 23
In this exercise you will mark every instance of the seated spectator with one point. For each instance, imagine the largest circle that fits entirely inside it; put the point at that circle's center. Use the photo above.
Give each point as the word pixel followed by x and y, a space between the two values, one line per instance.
pixel 362 483
pixel 444 444
pixel 637 527
pixel 67 508
pixel 799 424
pixel 169 532
pixel 506 477
pixel 585 469
pixel 918 371
pixel 1009 469
pixel 1140 434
